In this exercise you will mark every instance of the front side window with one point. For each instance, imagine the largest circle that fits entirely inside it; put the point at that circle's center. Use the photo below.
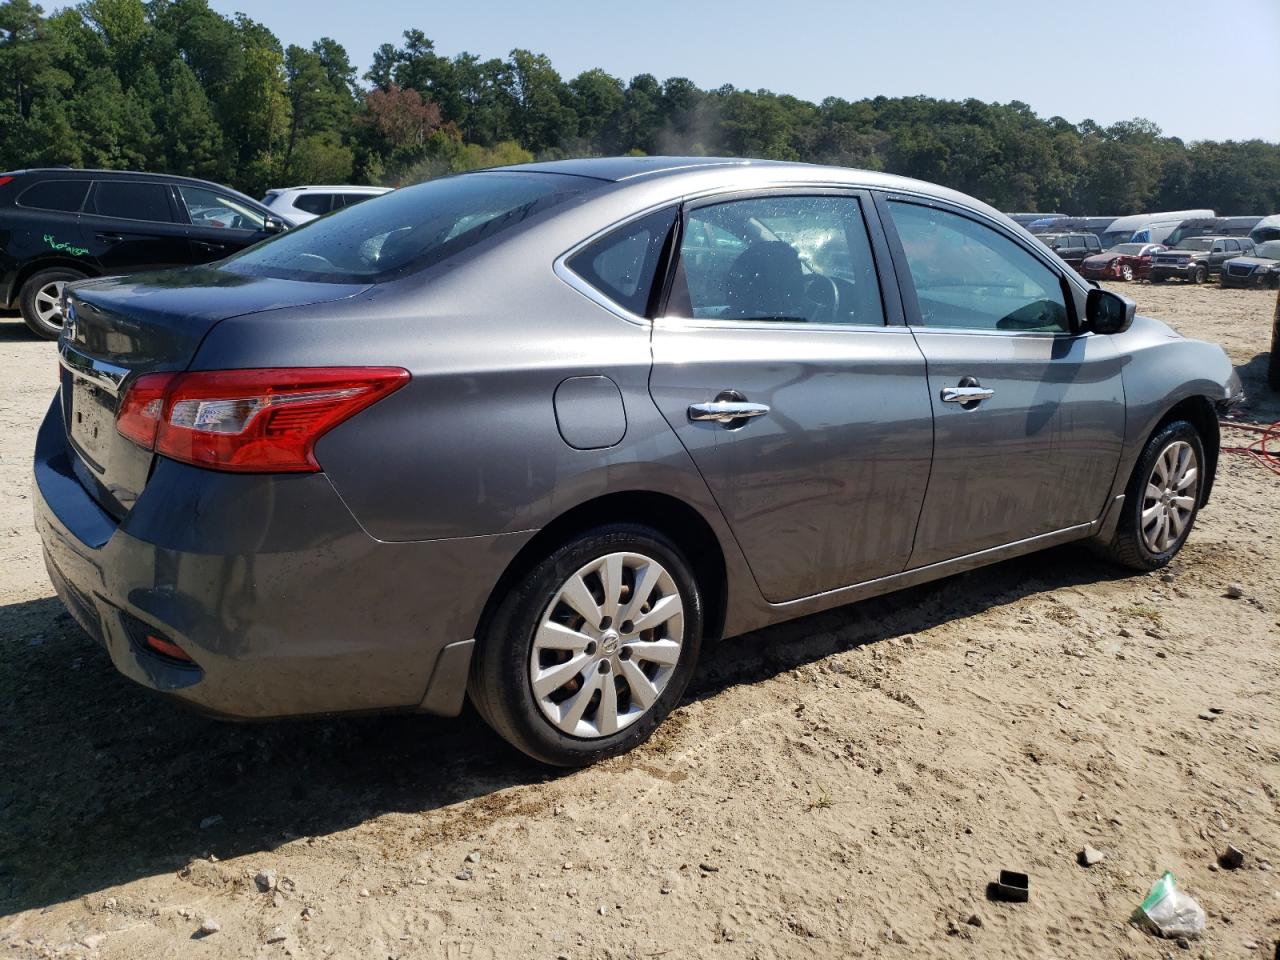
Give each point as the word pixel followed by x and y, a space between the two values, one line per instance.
pixel 785 259
pixel 1232 246
pixel 968 276
pixel 409 229
pixel 131 200
pixel 66 196
pixel 209 209
pixel 622 265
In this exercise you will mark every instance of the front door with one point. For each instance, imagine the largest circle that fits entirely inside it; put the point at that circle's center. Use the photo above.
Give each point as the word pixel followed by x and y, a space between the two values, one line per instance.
pixel 220 225
pixel 1028 416
pixel 806 413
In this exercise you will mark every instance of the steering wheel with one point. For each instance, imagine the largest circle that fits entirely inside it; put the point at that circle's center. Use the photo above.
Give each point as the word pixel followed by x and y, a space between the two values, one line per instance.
pixel 823 295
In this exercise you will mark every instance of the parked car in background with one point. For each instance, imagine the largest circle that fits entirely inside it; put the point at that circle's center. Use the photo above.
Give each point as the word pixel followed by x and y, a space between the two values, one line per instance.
pixel 1138 228
pixel 728 394
pixel 1261 268
pixel 1072 247
pixel 1026 219
pixel 61 225
pixel 1124 261
pixel 1212 227
pixel 1268 228
pixel 1196 259
pixel 299 205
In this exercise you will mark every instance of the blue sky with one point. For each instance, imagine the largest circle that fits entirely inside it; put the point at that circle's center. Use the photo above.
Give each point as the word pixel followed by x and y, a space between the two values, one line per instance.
pixel 1201 69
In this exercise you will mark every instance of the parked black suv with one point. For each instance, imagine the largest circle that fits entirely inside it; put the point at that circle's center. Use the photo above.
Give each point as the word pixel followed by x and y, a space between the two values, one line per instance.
pixel 61 225
pixel 1072 247
pixel 1197 258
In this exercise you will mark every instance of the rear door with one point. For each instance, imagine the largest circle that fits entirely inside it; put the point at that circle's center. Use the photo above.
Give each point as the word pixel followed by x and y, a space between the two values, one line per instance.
pixel 219 224
pixel 789 377
pixel 130 225
pixel 1028 416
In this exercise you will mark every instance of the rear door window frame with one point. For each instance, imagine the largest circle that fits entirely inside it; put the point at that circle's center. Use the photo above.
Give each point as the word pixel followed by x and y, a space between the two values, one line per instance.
pixel 882 261
pixel 176 216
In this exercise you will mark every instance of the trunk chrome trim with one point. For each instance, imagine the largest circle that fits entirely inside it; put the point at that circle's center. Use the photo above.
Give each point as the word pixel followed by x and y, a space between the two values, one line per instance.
pixel 109 376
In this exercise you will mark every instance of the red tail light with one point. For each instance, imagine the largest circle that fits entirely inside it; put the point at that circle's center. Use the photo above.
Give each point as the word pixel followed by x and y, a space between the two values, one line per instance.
pixel 249 421
pixel 4 180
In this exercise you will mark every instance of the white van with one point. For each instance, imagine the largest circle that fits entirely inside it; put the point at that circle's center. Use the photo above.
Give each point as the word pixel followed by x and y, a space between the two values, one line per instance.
pixel 1154 227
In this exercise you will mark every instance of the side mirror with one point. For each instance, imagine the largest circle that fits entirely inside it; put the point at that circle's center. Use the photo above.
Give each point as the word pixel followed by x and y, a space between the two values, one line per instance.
pixel 273 225
pixel 1107 312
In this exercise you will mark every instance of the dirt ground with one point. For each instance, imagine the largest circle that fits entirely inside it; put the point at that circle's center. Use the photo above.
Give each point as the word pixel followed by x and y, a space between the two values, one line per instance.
pixel 842 786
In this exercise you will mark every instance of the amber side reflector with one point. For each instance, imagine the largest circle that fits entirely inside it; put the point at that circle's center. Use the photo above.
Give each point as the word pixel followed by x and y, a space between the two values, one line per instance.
pixel 167 649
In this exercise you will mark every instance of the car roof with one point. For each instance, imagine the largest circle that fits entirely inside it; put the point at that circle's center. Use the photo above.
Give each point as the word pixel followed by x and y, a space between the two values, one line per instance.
pixel 70 173
pixel 348 187
pixel 674 177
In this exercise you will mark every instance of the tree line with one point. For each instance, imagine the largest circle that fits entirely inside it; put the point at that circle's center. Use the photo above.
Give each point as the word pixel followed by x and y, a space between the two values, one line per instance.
pixel 171 85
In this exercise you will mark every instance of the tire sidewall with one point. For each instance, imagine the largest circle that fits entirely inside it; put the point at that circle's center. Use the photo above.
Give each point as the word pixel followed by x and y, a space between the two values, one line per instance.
pixel 508 639
pixel 26 299
pixel 1169 433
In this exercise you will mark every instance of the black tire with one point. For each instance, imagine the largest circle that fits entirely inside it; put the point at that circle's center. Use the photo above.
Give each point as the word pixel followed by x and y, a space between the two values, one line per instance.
pixel 29 300
pixel 1201 274
pixel 1126 272
pixel 1128 547
pixel 1155 279
pixel 500 686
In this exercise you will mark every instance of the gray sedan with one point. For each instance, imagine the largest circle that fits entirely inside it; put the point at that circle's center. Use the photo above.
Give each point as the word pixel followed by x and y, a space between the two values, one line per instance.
pixel 534 434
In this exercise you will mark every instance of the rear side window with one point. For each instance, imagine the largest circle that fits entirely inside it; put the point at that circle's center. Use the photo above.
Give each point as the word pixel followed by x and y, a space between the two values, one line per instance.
pixel 64 195
pixel 131 200
pixel 316 203
pixel 351 199
pixel 410 229
pixel 622 265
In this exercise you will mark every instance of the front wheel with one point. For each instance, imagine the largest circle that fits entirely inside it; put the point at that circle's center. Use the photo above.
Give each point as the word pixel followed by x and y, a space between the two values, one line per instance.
pixel 592 649
pixel 1201 275
pixel 41 300
pixel 1162 499
pixel 1126 271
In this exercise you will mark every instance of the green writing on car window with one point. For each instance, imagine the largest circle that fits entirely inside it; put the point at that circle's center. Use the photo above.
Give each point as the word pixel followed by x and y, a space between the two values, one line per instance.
pixel 65 247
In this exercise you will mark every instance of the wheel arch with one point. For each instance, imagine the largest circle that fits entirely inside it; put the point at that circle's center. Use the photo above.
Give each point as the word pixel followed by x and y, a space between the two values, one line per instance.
pixel 1199 411
pixel 671 516
pixel 28 270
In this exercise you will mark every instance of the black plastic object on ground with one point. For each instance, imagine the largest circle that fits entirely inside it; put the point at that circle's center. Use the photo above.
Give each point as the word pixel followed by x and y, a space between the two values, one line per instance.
pixel 1012 887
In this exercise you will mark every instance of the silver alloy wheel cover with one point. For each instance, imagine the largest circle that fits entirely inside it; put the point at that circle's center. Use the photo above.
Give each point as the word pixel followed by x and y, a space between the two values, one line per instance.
pixel 48 303
pixel 591 677
pixel 1169 499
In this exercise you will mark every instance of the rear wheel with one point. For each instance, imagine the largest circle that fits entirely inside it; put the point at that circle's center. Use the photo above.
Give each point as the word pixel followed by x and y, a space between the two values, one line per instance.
pixel 1162 499
pixel 592 649
pixel 41 300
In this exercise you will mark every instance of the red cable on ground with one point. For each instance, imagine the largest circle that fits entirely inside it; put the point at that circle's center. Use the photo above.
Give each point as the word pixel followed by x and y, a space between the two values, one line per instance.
pixel 1258 450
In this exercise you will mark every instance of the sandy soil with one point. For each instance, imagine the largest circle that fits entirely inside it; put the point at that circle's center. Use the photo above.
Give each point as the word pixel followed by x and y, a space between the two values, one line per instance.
pixel 843 786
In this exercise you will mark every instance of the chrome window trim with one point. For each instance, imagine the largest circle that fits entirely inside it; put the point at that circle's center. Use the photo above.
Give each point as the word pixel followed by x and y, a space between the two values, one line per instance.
pixel 712 323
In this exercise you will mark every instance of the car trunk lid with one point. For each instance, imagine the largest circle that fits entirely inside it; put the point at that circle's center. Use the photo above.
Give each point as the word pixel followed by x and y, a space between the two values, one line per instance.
pixel 122 327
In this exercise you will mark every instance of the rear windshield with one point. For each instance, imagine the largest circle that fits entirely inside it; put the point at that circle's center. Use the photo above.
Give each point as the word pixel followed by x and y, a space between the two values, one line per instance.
pixel 1128 248
pixel 408 229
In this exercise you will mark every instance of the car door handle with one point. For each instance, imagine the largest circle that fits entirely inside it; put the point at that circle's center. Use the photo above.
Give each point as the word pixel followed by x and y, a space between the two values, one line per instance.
pixel 209 245
pixel 726 411
pixel 109 237
pixel 968 391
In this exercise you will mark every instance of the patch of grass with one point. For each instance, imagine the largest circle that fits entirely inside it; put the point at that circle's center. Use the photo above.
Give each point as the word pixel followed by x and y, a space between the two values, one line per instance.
pixel 823 802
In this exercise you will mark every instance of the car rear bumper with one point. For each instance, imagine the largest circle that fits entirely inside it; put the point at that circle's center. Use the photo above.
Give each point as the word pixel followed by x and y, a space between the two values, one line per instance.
pixel 284 603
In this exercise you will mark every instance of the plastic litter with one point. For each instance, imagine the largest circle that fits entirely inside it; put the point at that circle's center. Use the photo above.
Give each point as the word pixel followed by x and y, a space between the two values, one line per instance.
pixel 1171 913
